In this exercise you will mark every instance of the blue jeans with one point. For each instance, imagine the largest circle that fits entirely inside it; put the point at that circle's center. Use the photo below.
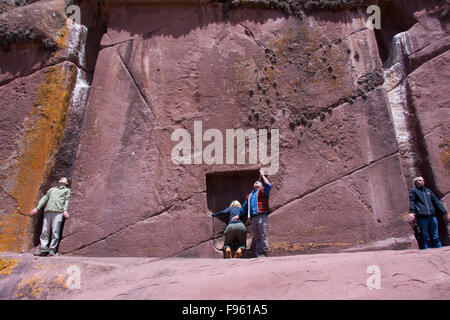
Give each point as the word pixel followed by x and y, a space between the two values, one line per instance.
pixel 428 227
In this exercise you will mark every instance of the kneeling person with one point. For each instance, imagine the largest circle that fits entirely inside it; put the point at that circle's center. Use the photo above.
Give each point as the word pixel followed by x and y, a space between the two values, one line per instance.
pixel 235 231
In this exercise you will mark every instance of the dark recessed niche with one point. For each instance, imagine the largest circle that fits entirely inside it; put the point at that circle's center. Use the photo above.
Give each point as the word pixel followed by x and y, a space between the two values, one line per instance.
pixel 222 188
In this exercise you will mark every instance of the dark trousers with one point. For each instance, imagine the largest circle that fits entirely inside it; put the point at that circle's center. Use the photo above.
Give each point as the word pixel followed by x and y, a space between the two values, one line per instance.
pixel 428 227
pixel 260 232
pixel 236 232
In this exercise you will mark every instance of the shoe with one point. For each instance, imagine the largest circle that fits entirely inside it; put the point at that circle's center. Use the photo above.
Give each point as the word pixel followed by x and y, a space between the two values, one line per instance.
pixel 239 253
pixel 227 253
pixel 262 255
pixel 41 253
pixel 51 253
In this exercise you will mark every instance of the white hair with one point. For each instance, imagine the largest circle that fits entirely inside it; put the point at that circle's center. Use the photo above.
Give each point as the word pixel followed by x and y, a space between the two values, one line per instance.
pixel 417 178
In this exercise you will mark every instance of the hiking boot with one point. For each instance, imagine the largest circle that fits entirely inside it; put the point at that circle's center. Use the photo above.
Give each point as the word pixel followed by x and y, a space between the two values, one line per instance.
pixel 41 253
pixel 239 253
pixel 227 253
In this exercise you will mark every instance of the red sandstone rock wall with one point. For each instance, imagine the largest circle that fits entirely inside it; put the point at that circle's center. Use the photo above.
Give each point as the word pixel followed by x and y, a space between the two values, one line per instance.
pixel 357 119
pixel 43 66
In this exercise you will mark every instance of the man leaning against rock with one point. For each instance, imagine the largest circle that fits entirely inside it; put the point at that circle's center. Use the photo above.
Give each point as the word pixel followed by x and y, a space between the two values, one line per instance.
pixel 56 202
pixel 423 208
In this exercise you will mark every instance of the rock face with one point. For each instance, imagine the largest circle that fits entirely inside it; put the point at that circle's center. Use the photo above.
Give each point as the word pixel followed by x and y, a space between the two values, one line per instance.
pixel 43 78
pixel 384 275
pixel 355 114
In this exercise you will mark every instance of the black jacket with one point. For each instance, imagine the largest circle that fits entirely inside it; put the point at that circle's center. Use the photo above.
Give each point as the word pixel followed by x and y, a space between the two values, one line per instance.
pixel 422 201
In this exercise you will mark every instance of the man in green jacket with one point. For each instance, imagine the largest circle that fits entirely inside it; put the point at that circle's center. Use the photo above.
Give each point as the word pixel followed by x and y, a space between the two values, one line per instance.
pixel 56 202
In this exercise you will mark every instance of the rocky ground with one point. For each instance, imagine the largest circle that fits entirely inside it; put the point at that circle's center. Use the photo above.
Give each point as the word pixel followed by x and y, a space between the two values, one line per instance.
pixel 403 274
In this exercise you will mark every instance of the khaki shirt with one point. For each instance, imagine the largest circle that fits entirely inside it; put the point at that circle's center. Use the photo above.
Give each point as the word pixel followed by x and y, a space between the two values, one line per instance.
pixel 56 198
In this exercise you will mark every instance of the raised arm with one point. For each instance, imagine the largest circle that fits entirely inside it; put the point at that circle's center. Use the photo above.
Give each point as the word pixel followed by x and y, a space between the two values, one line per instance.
pixel 267 185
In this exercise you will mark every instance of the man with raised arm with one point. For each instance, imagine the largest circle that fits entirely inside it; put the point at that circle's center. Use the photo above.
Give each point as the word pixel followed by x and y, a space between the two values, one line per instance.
pixel 256 207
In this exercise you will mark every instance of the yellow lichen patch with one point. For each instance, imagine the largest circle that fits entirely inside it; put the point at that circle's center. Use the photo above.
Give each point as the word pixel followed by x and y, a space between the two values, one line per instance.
pixel 7 265
pixel 314 231
pixel 43 131
pixel 61 38
pixel 244 69
pixel 30 287
pixel 40 285
pixel 308 246
pixel 61 281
